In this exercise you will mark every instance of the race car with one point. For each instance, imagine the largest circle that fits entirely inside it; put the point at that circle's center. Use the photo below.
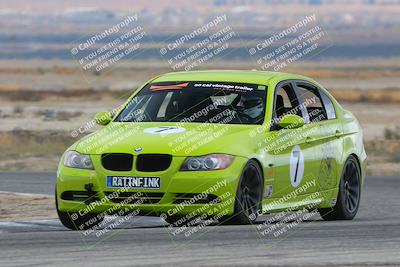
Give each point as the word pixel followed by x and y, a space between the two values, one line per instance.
pixel 224 145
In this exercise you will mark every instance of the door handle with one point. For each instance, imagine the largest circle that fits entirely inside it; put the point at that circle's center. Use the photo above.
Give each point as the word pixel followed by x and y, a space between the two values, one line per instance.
pixel 338 133
pixel 309 140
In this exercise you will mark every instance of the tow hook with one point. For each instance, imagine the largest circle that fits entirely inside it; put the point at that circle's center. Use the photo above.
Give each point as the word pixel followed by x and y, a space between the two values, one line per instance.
pixel 91 194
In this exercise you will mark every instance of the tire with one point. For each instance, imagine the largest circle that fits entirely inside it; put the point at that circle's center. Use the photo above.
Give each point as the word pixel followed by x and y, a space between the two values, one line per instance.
pixel 248 196
pixel 80 222
pixel 348 199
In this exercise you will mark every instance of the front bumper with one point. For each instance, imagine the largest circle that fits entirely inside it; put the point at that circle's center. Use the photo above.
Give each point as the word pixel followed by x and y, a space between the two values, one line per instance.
pixel 179 194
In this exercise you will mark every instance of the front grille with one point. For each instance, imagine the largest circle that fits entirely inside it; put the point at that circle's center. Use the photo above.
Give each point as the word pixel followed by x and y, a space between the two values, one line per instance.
pixel 136 198
pixel 153 162
pixel 191 198
pixel 117 161
pixel 81 196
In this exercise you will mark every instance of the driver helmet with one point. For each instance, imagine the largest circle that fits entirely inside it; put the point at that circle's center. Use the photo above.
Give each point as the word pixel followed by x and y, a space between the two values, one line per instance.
pixel 253 106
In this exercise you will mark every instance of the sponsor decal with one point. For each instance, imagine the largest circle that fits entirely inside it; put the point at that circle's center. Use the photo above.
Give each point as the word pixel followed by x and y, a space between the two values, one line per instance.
pixel 227 87
pixel 168 87
pixel 164 130
pixel 328 170
pixel 296 166
pixel 268 190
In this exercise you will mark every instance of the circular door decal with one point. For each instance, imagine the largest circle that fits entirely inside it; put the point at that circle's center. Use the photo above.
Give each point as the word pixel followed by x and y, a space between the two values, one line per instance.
pixel 296 166
pixel 164 130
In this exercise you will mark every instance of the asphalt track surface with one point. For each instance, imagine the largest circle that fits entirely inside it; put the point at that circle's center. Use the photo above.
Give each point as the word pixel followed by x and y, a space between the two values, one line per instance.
pixel 372 239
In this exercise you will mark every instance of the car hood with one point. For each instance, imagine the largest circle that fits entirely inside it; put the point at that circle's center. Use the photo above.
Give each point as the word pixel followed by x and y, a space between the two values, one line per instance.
pixel 169 138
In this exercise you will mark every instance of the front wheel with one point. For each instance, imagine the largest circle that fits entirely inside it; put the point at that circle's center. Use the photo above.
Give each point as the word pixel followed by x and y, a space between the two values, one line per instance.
pixel 348 199
pixel 248 196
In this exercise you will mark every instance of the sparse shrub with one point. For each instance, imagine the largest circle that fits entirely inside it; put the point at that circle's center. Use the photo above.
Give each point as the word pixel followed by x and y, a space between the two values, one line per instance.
pixel 364 98
pixel 47 114
pixel 395 156
pixel 65 115
pixel 392 133
pixel 41 70
pixel 18 110
pixel 53 115
pixel 25 95
pixel 97 73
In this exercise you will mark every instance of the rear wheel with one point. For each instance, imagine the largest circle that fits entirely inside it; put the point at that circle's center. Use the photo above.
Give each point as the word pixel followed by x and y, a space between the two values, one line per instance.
pixel 74 221
pixel 348 199
pixel 248 196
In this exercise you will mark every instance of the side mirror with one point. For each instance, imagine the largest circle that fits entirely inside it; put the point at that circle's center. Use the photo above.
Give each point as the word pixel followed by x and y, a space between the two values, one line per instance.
pixel 291 121
pixel 103 118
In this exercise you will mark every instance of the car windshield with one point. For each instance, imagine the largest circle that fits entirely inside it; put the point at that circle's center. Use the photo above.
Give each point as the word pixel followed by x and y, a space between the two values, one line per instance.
pixel 204 102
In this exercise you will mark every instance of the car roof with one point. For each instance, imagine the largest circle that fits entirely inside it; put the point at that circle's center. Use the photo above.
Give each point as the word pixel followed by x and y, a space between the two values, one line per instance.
pixel 240 76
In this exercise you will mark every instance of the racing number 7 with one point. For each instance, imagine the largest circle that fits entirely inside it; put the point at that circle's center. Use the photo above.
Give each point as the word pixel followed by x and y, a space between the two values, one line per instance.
pixel 296 155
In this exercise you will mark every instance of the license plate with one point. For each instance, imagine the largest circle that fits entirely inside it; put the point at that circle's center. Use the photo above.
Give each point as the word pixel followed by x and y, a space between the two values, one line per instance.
pixel 133 182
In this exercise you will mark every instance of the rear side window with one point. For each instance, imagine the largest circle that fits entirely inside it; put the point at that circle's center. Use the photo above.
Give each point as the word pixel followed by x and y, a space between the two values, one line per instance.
pixel 330 109
pixel 309 97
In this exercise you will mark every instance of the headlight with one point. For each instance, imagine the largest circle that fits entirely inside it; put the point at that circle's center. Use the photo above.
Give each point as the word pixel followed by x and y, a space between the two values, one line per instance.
pixel 206 163
pixel 74 159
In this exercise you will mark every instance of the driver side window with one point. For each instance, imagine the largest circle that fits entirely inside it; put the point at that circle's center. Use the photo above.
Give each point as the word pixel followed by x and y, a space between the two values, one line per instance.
pixel 285 102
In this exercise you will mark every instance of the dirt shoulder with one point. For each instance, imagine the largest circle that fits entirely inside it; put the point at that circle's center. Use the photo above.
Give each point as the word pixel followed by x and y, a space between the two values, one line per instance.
pixel 20 207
